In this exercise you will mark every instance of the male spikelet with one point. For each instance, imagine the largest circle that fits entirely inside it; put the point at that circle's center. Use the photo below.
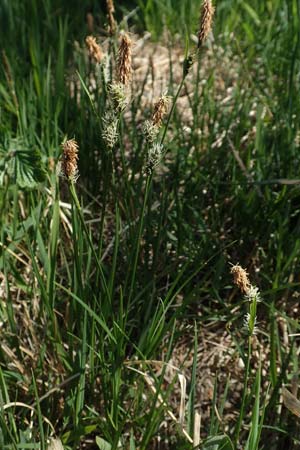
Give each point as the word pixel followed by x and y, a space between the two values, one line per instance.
pixel 240 278
pixel 94 49
pixel 252 295
pixel 69 168
pixel 160 110
pixel 207 13
pixel 124 68
pixel 110 13
pixel 151 127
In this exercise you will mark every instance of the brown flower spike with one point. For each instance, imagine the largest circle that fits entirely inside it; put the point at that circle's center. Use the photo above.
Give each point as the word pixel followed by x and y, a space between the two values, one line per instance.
pixel 160 110
pixel 110 13
pixel 124 60
pixel 207 14
pixel 240 278
pixel 94 49
pixel 69 160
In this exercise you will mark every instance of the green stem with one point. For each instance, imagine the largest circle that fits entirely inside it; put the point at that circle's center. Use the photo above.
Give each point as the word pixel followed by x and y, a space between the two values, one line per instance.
pixel 242 410
pixel 172 109
pixel 148 183
pixel 15 208
pixel 3 202
pixel 108 176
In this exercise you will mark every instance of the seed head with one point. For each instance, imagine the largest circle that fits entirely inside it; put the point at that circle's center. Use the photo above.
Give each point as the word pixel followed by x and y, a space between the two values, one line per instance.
pixel 250 323
pixel 110 13
pixel 150 131
pixel 69 160
pixel 160 110
pixel 153 157
pixel 253 294
pixel 207 14
pixel 240 278
pixel 94 49
pixel 117 96
pixel 110 130
pixel 124 68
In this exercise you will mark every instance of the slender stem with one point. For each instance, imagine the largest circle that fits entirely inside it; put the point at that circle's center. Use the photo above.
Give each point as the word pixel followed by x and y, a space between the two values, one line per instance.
pixel 148 183
pixel 15 209
pixel 172 110
pixel 108 176
pixel 3 200
pixel 242 411
pixel 78 207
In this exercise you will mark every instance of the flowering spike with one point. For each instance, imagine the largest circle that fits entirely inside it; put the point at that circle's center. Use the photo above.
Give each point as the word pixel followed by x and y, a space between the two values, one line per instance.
pixel 94 49
pixel 153 157
pixel 69 160
pixel 240 278
pixel 160 110
pixel 150 131
pixel 110 130
pixel 207 14
pixel 117 95
pixel 110 13
pixel 124 60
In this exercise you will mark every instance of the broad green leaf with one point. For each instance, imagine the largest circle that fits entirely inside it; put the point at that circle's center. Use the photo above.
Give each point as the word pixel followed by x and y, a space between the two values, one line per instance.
pixel 102 444
pixel 28 168
pixel 22 164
